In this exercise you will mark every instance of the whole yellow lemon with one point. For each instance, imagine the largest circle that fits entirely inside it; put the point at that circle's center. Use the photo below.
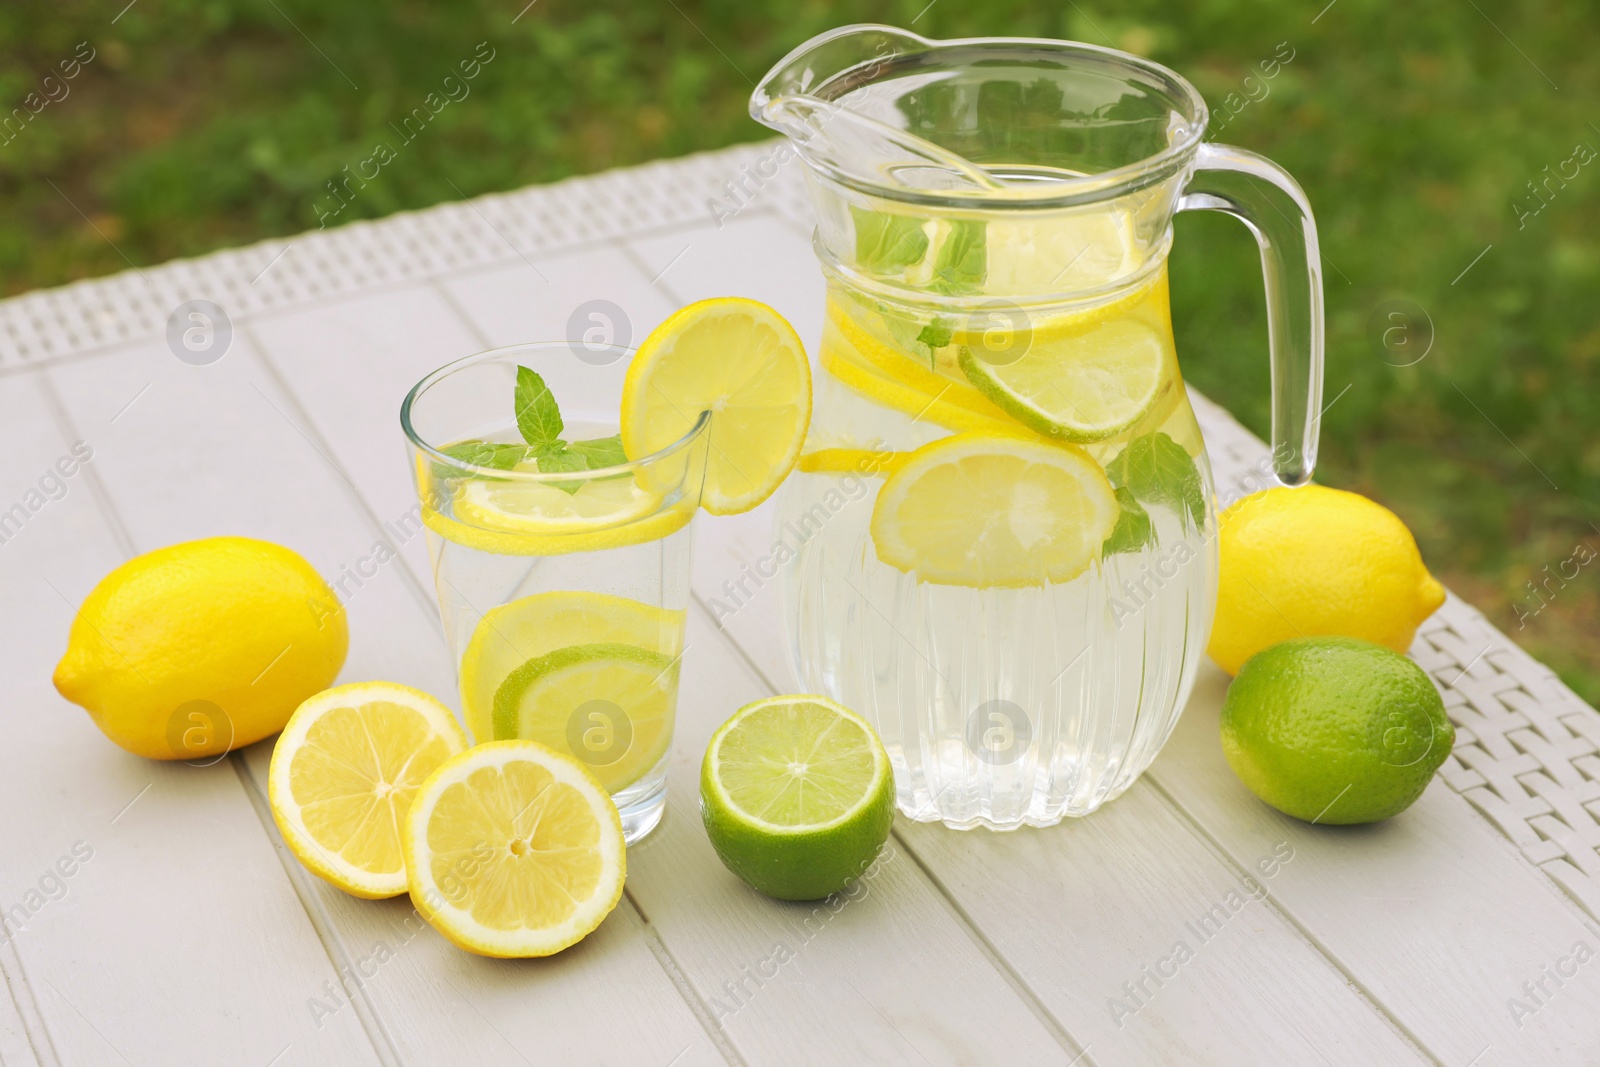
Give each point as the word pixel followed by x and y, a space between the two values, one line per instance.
pixel 1315 562
pixel 198 648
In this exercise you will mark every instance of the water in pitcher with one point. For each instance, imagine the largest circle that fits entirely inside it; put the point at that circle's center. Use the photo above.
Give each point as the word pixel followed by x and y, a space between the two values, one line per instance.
pixel 1009 697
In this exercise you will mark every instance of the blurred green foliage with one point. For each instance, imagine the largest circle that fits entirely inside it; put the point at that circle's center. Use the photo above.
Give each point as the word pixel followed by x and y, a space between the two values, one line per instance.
pixel 1414 129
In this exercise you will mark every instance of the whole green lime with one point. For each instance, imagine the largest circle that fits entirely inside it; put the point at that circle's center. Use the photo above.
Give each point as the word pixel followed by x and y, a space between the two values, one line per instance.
pixel 797 796
pixel 1334 729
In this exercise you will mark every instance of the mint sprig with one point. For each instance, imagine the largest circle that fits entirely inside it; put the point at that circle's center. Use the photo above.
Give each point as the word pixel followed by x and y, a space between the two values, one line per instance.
pixel 887 243
pixel 538 415
pixel 539 421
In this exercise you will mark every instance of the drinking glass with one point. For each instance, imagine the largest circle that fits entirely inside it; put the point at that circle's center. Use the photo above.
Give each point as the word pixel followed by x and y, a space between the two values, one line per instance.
pixel 562 594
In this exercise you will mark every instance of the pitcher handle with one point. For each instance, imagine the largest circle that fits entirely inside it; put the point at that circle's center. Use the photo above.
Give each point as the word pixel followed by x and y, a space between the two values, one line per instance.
pixel 1263 196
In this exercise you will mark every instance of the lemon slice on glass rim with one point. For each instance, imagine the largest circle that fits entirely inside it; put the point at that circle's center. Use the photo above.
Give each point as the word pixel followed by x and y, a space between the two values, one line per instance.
pixel 740 360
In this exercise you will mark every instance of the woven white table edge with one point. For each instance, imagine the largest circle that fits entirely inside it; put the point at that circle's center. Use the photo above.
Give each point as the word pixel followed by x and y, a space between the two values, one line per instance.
pixel 1527 751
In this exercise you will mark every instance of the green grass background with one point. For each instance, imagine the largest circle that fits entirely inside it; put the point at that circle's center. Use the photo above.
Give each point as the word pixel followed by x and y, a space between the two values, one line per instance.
pixel 1414 129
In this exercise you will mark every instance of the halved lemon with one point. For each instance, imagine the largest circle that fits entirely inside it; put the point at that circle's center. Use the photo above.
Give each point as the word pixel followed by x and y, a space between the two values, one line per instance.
pixel 741 361
pixel 532 626
pixel 985 510
pixel 514 850
pixel 608 705
pixel 344 772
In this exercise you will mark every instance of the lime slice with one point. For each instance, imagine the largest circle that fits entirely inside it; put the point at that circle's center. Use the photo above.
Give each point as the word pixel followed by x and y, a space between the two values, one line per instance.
pixel 984 510
pixel 741 361
pixel 609 706
pixel 512 634
pixel 1086 387
pixel 911 368
pixel 797 796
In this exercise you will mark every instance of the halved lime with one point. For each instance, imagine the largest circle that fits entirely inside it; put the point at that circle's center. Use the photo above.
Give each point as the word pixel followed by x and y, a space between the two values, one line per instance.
pixel 1082 387
pixel 797 796
pixel 607 705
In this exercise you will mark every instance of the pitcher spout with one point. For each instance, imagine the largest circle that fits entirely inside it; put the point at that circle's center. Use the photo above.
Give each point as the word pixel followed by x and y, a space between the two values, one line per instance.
pixel 825 97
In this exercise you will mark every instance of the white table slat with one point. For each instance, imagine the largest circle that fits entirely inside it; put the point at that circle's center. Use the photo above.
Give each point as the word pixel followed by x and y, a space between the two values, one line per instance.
pixel 894 974
pixel 179 936
pixel 1433 914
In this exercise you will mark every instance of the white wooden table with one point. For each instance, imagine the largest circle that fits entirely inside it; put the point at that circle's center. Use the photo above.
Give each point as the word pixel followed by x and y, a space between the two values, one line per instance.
pixel 189 935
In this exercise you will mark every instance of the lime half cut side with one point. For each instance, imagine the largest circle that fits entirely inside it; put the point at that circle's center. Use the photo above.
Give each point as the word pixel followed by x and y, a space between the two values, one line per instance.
pixel 797 795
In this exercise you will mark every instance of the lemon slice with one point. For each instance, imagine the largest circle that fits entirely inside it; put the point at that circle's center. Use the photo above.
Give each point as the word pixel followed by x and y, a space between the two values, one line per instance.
pixel 1084 387
pixel 909 369
pixel 532 626
pixel 514 850
pixel 506 521
pixel 542 508
pixel 941 407
pixel 741 361
pixel 1066 252
pixel 607 705
pixel 864 461
pixel 344 772
pixel 985 510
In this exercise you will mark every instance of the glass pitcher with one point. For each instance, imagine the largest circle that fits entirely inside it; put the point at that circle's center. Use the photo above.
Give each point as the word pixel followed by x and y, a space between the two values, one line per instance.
pixel 1002 524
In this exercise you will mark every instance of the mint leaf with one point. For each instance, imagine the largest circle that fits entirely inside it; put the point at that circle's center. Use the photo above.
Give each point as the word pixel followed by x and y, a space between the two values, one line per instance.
pixel 538 415
pixel 487 454
pixel 906 336
pixel 1133 530
pixel 601 451
pixel 963 258
pixel 936 334
pixel 1157 470
pixel 557 459
pixel 886 243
